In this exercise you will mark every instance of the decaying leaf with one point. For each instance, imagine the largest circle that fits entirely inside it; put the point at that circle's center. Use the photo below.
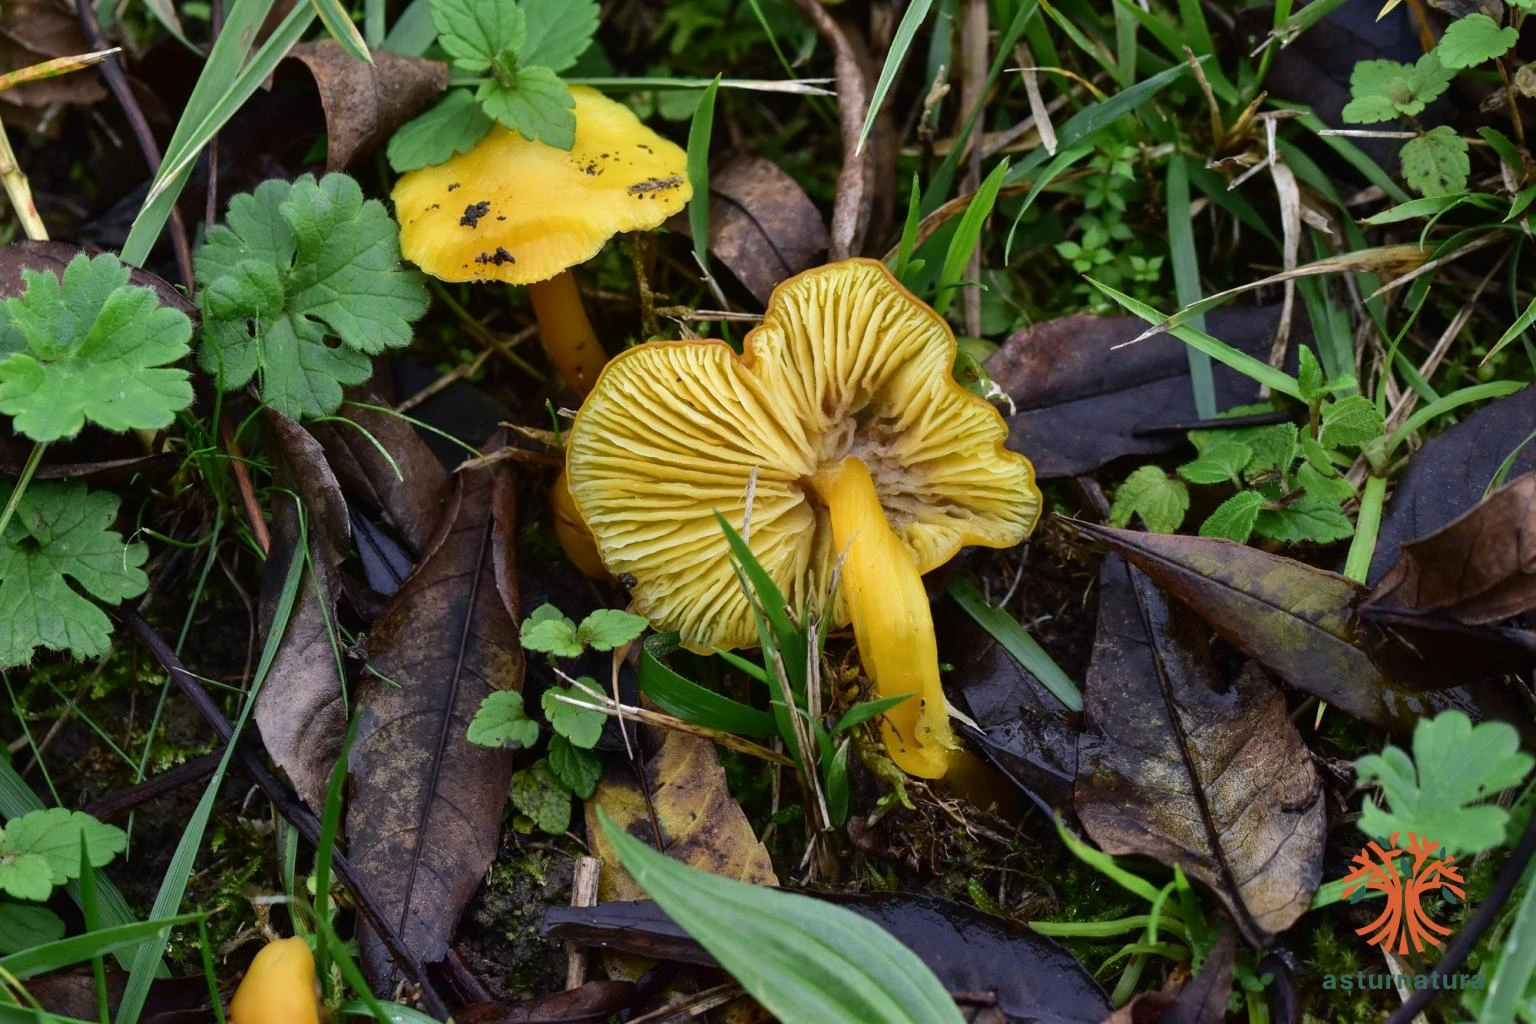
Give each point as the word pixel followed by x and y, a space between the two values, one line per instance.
pixel 701 824
pixel 365 103
pixel 426 805
pixel 407 487
pixel 1176 766
pixel 301 711
pixel 1081 402
pixel 1297 621
pixel 762 225
pixel 1479 569
pixel 34 31
pixel 55 256
pixel 1035 980
pixel 1452 471
pixel 594 1001
pixel 1204 998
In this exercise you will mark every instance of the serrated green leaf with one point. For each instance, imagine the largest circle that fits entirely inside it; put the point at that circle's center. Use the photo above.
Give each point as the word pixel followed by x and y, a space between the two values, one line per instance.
pixel 1158 498
pixel 1308 518
pixel 607 628
pixel 582 726
pixel 549 631
pixel 337 256
pixel 1383 90
pixel 90 347
pixel 1317 456
pixel 480 36
pixel 1472 40
pixel 502 722
pixel 1351 421
pixel 1436 162
pixel 41 849
pixel 1309 375
pixel 539 793
pixel 575 766
pixel 558 32
pixel 1274 447
pixel 61 531
pixel 22 926
pixel 1220 463
pixel 25 876
pixel 535 103
pixel 448 129
pixel 1234 518
pixel 1436 793
pixel 1329 487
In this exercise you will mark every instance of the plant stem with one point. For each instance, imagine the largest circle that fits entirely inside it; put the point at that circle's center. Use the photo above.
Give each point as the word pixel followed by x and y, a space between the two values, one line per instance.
pixel 21 485
pixel 19 191
pixel 1367 527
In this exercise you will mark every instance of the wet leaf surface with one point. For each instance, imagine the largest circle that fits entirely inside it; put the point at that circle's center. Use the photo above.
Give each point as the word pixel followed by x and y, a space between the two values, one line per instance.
pixel 1297 621
pixel 1452 471
pixel 1177 765
pixel 365 103
pixel 762 225
pixel 301 710
pixel 1035 980
pixel 426 806
pixel 1082 403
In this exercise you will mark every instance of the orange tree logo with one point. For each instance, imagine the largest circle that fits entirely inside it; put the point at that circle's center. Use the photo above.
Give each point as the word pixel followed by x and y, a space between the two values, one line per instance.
pixel 1403 924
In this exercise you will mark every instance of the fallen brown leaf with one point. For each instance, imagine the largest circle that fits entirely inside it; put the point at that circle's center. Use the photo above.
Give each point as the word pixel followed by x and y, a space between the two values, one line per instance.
pixel 365 103
pixel 426 807
pixel 762 225
pixel 301 710
pixel 33 31
pixel 1175 765
pixel 594 1001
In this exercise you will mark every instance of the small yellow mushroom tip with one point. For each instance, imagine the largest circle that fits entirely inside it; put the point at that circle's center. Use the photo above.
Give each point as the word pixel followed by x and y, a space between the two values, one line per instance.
pixel 279 987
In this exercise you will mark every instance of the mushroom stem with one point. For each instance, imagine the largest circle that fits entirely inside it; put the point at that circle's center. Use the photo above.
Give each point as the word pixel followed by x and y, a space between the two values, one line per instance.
pixel 568 336
pixel 892 622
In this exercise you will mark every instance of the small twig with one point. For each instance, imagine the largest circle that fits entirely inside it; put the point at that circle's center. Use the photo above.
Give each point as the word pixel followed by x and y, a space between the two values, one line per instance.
pixel 583 894
pixel 115 805
pixel 852 201
pixel 287 804
pixel 244 486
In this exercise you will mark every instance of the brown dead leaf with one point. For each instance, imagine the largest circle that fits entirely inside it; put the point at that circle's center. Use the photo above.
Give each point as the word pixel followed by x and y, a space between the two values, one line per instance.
pixel 33 31
pixel 1479 569
pixel 762 225
pixel 594 1001
pixel 426 807
pixel 1175 765
pixel 701 824
pixel 301 711
pixel 407 487
pixel 55 256
pixel 365 103
pixel 1203 999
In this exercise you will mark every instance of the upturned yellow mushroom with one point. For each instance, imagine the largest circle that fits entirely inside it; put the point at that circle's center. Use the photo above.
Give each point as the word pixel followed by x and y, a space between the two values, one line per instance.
pixel 525 212
pixel 843 422
pixel 279 987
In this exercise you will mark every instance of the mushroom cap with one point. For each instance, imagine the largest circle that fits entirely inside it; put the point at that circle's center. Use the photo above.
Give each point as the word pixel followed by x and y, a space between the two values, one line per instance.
pixel 845 362
pixel 518 211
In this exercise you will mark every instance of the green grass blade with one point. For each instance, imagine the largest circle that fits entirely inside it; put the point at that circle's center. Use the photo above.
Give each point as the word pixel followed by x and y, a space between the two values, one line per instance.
pixel 683 698
pixel 699 131
pixel 413 31
pixel 53 956
pixel 1517 964
pixel 174 885
pixel 91 911
pixel 1521 324
pixel 1007 630
pixel 1242 362
pixel 342 29
pixel 908 241
pixel 1186 280
pixel 911 21
pixel 967 237
pixel 1454 400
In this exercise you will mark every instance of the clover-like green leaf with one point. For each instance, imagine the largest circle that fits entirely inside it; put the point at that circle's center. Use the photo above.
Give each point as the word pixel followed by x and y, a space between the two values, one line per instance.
pixel 1436 162
pixel 62 532
pixel 41 849
pixel 448 129
pixel 333 260
pixel 480 36
pixel 539 793
pixel 549 631
pixel 502 722
pixel 607 628
pixel 1472 40
pixel 582 726
pixel 558 32
pixel 90 347
pixel 1382 90
pixel 533 102
pixel 1160 500
pixel 577 767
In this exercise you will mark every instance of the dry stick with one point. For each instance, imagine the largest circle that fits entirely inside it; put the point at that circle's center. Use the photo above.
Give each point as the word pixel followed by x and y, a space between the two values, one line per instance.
pixel 288 805
pixel 118 803
pixel 1487 914
pixel 583 894
pixel 112 71
pixel 973 60
pixel 852 201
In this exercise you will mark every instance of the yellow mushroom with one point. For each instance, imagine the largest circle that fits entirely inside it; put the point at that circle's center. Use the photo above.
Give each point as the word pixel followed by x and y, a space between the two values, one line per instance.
pixel 279 988
pixel 843 420
pixel 525 212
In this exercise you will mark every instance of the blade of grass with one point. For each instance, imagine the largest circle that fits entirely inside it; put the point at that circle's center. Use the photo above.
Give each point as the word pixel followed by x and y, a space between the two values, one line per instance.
pixel 909 231
pixel 699 131
pixel 91 911
pixel 174 885
pixel 1006 630
pixel 342 29
pixel 911 21
pixel 413 32
pixel 1242 362
pixel 967 237
pixel 1454 400
pixel 683 698
pixel 1186 280
pixel 52 956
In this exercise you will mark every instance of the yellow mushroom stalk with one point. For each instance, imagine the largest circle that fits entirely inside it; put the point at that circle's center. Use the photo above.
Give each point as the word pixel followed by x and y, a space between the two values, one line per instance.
pixel 279 988
pixel 524 212
pixel 892 623
pixel 840 434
